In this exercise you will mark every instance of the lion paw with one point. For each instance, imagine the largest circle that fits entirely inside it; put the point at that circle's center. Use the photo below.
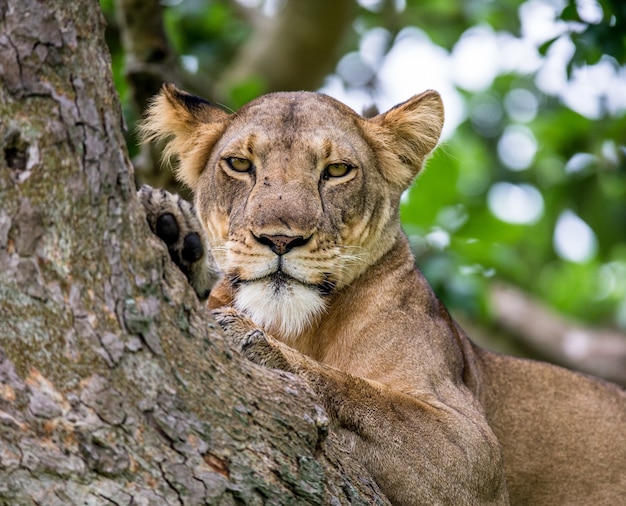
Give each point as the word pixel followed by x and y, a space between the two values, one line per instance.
pixel 251 341
pixel 174 221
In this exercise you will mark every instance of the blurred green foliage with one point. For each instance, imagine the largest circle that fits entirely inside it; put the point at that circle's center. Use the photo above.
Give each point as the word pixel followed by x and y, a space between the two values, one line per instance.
pixel 579 165
pixel 481 246
pixel 452 195
pixel 209 31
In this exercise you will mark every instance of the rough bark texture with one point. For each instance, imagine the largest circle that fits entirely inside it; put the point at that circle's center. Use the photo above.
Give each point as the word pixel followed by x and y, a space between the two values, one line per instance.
pixel 114 385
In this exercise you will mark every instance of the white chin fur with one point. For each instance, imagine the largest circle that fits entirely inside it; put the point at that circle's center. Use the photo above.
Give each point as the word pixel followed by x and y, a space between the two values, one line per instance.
pixel 284 310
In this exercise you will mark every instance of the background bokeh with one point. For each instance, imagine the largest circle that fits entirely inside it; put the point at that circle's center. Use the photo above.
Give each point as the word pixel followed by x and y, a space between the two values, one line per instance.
pixel 519 220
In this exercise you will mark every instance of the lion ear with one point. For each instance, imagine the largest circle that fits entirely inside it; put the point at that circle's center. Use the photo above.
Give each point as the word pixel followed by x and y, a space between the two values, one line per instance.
pixel 410 131
pixel 190 126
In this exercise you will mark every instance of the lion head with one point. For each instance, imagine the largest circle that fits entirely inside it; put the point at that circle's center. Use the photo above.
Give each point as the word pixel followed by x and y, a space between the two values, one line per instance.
pixel 298 193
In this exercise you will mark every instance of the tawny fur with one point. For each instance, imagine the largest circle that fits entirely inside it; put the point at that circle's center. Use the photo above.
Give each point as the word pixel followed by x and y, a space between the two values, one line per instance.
pixel 434 418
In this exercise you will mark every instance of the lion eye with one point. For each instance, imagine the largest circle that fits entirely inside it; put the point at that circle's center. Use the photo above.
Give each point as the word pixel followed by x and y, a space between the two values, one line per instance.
pixel 239 164
pixel 337 170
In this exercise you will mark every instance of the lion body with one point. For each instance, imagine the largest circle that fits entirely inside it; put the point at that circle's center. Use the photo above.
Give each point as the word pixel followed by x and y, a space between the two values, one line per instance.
pixel 298 197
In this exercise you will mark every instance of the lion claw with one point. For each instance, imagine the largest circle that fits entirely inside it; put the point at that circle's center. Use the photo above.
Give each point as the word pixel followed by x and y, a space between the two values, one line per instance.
pixel 249 340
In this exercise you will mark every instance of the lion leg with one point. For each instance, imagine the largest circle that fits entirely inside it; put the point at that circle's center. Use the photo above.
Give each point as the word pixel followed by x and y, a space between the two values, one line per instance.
pixel 419 449
pixel 174 221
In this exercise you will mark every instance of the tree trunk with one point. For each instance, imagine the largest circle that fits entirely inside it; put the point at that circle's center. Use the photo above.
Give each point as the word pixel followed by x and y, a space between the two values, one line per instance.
pixel 115 386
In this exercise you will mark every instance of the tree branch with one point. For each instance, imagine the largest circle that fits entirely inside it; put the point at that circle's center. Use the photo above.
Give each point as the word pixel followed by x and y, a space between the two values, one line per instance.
pixel 114 385
pixel 597 351
pixel 150 61
pixel 295 50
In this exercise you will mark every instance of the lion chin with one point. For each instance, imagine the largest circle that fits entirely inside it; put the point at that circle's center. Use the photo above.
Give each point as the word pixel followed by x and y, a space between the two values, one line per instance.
pixel 280 304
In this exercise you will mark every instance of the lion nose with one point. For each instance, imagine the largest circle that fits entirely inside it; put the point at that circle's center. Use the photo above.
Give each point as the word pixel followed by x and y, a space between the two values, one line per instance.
pixel 281 244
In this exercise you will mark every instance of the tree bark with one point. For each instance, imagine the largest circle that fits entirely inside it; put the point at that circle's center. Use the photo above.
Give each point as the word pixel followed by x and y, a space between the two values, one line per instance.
pixel 115 386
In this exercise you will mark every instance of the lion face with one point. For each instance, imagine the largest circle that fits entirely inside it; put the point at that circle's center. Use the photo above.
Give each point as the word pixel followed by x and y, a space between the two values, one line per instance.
pixel 298 194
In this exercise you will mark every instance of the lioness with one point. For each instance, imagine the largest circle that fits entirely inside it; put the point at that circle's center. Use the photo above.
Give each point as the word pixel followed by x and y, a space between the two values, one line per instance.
pixel 297 202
